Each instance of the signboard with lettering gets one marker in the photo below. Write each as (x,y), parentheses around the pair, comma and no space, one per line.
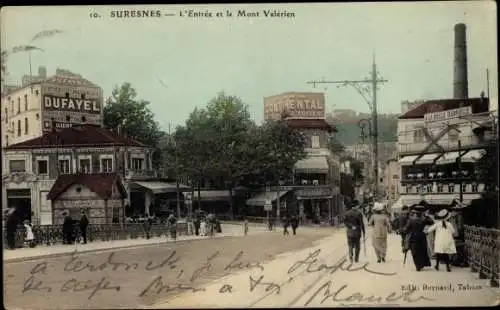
(92,106)
(296,105)
(448,114)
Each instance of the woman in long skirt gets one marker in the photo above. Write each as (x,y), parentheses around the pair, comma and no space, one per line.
(203,227)
(381,227)
(417,238)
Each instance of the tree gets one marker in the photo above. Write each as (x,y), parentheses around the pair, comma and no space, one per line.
(335,146)
(134,116)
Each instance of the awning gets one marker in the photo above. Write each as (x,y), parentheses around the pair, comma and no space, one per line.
(160,187)
(313,164)
(261,198)
(439,199)
(472,156)
(448,158)
(407,160)
(427,158)
(211,195)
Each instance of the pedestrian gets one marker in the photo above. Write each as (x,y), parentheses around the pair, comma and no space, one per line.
(286,223)
(203,227)
(67,228)
(355,228)
(381,227)
(196,225)
(29,238)
(417,241)
(172,223)
(399,224)
(148,222)
(294,222)
(270,223)
(11,226)
(245,226)
(84,223)
(444,243)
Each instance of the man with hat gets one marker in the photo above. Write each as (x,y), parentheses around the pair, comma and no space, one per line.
(444,243)
(400,223)
(355,227)
(417,241)
(84,223)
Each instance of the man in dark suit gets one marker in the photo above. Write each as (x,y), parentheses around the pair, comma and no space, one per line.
(355,227)
(400,223)
(67,228)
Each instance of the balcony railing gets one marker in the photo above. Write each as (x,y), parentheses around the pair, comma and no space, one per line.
(131,174)
(472,141)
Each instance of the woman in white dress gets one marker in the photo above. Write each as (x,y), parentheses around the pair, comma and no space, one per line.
(444,243)
(203,227)
(30,237)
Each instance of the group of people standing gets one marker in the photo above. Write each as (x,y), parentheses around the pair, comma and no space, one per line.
(11,223)
(414,226)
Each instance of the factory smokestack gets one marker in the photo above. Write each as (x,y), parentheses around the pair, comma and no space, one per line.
(460,83)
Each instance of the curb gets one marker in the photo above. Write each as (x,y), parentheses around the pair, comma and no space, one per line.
(52,255)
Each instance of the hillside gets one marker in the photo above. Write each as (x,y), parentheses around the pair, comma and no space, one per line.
(349,132)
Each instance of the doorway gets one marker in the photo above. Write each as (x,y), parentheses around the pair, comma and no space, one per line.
(20,199)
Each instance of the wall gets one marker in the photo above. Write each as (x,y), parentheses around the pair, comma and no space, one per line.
(32,113)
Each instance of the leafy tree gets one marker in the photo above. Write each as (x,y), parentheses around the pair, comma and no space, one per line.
(335,146)
(134,116)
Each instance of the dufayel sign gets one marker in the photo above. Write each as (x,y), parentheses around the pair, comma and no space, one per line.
(54,103)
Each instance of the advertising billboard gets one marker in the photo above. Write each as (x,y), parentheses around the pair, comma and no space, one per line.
(301,105)
(53,103)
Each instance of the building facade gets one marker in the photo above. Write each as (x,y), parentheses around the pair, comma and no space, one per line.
(390,182)
(34,168)
(439,142)
(64,99)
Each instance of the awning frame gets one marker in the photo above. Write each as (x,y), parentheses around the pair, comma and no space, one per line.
(261,198)
(427,158)
(407,160)
(313,161)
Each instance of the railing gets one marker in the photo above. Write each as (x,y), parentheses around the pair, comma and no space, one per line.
(53,234)
(415,147)
(483,252)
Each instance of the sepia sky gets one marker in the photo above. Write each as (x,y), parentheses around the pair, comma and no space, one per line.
(257,57)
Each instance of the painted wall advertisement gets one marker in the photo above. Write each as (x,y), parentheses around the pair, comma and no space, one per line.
(296,105)
(53,103)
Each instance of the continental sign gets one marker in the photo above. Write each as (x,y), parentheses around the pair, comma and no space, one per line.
(296,105)
(53,103)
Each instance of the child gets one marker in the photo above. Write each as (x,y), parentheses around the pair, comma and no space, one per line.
(30,237)
(444,243)
(245,226)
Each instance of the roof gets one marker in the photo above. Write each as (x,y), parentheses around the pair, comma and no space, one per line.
(479,105)
(78,136)
(311,124)
(100,183)
(65,77)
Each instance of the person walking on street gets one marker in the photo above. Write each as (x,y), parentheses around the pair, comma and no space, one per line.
(30,237)
(67,228)
(245,226)
(355,227)
(148,222)
(294,222)
(84,223)
(286,223)
(417,241)
(196,225)
(444,243)
(11,227)
(172,224)
(381,227)
(400,223)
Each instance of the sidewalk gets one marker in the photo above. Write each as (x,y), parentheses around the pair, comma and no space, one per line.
(23,254)
(377,284)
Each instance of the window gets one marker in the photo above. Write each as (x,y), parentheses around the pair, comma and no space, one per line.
(64,166)
(106,165)
(475,188)
(25,102)
(18,105)
(315,142)
(453,135)
(6,116)
(12,107)
(418,135)
(464,187)
(19,128)
(43,166)
(7,139)
(407,189)
(17,165)
(84,165)
(25,125)
(137,163)
(440,188)
(451,188)
(12,127)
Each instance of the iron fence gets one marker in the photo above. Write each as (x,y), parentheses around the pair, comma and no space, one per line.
(53,234)
(483,252)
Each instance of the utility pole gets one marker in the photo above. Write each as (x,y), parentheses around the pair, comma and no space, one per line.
(371,99)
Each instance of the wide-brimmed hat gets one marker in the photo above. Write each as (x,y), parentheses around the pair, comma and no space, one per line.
(378,206)
(442,214)
(26,221)
(417,209)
